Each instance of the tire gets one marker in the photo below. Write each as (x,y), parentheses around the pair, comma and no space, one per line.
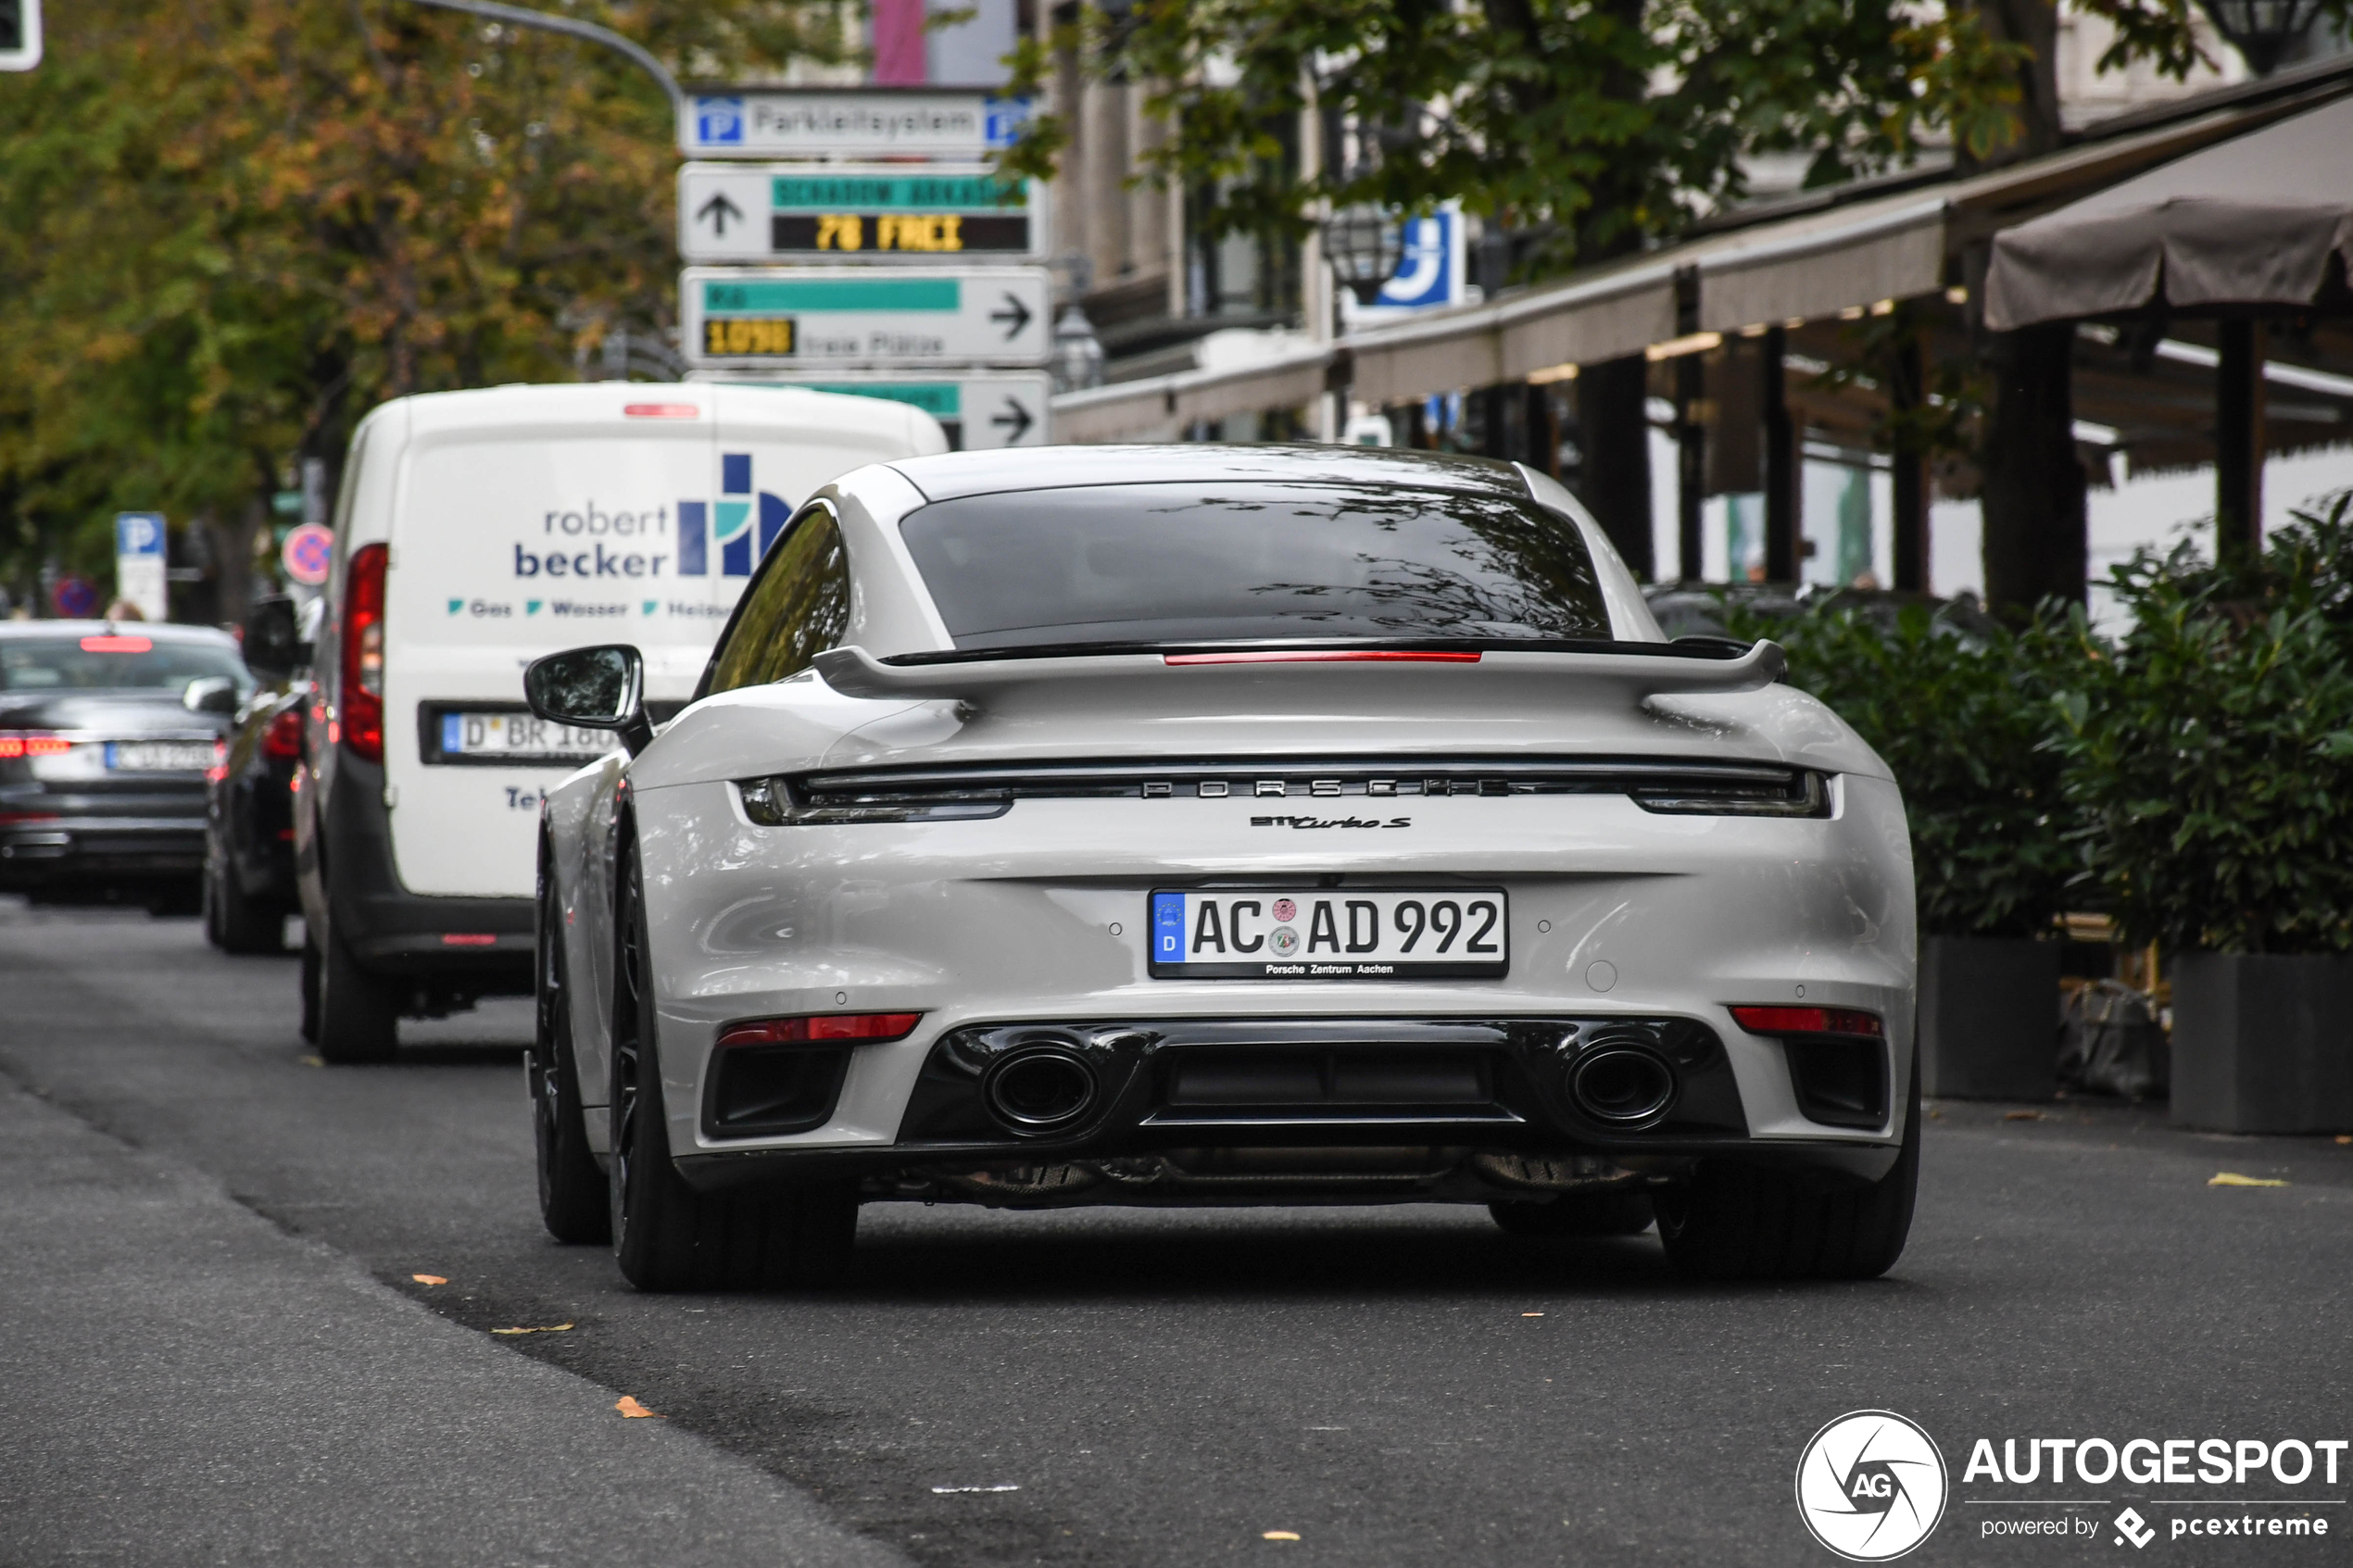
(246,924)
(665,1234)
(1577,1213)
(310,967)
(1740,1222)
(574,1200)
(211,902)
(358,1016)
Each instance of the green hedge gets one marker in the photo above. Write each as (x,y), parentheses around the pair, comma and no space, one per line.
(2209,753)
(2193,777)
(1964,716)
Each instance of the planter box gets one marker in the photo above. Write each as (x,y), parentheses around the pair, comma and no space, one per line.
(1989,1018)
(2263,1043)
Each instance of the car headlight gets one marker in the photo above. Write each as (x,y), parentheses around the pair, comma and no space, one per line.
(779,803)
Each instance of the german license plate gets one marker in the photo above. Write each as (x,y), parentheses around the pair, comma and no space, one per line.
(1330,934)
(158,756)
(520,736)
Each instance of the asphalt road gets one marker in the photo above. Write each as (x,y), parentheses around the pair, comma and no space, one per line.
(216,1350)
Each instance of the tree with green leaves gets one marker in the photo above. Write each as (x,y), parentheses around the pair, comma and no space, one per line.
(227,231)
(1586,129)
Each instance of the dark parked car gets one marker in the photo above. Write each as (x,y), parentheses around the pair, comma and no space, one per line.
(106,731)
(250,809)
(250,862)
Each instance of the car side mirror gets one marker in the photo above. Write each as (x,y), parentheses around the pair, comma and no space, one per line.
(272,648)
(211,694)
(594,688)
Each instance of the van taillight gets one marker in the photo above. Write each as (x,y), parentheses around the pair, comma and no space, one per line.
(362,697)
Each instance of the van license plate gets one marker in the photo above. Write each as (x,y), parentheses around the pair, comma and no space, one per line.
(158,756)
(520,736)
(1332,933)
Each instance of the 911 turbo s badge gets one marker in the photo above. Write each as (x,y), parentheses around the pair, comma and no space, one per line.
(1330,823)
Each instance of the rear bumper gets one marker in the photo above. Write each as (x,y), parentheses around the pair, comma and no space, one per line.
(40,853)
(480,944)
(1263,1110)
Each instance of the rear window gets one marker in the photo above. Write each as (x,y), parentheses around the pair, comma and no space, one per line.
(117,660)
(1187,563)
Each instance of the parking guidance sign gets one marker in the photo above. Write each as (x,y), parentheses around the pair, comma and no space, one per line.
(813,316)
(831,123)
(855,212)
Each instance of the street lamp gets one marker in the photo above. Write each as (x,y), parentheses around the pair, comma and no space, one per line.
(2261,31)
(1363,244)
(1077,360)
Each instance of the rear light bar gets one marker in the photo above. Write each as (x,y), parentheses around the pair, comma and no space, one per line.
(825,1026)
(468,939)
(1807,1021)
(361,698)
(661,410)
(118,644)
(24,745)
(1329,655)
(1663,785)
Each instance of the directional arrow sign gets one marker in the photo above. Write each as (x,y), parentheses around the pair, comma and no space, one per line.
(842,212)
(717,213)
(832,122)
(847,317)
(980,410)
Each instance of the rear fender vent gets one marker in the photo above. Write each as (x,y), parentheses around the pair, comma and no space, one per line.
(766,1091)
(1839,1082)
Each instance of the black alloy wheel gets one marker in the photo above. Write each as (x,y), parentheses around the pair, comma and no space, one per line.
(1734,1222)
(573,1200)
(665,1234)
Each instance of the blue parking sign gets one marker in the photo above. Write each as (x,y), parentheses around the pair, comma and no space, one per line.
(1429,270)
(138,533)
(718,121)
(1004,119)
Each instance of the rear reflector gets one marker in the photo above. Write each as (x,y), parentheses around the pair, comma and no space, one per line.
(1807,1021)
(1327,656)
(827,1026)
(661,410)
(118,644)
(467,939)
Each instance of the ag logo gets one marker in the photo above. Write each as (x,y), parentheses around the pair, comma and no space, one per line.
(1870,1486)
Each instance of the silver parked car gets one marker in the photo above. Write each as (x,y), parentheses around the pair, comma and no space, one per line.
(1208,825)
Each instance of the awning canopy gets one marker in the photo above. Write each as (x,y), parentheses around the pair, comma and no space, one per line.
(1813,256)
(2256,220)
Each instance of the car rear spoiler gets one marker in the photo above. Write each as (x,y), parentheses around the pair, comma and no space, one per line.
(1631,678)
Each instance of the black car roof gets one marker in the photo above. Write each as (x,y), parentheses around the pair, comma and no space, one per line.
(952,474)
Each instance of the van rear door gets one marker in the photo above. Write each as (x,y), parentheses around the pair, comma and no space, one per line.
(511,542)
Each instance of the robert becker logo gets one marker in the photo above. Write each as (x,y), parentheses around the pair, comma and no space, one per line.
(1870,1486)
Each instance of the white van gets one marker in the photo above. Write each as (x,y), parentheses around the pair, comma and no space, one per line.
(474,531)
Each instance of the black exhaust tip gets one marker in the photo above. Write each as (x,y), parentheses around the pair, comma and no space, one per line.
(1039,1090)
(1622,1086)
